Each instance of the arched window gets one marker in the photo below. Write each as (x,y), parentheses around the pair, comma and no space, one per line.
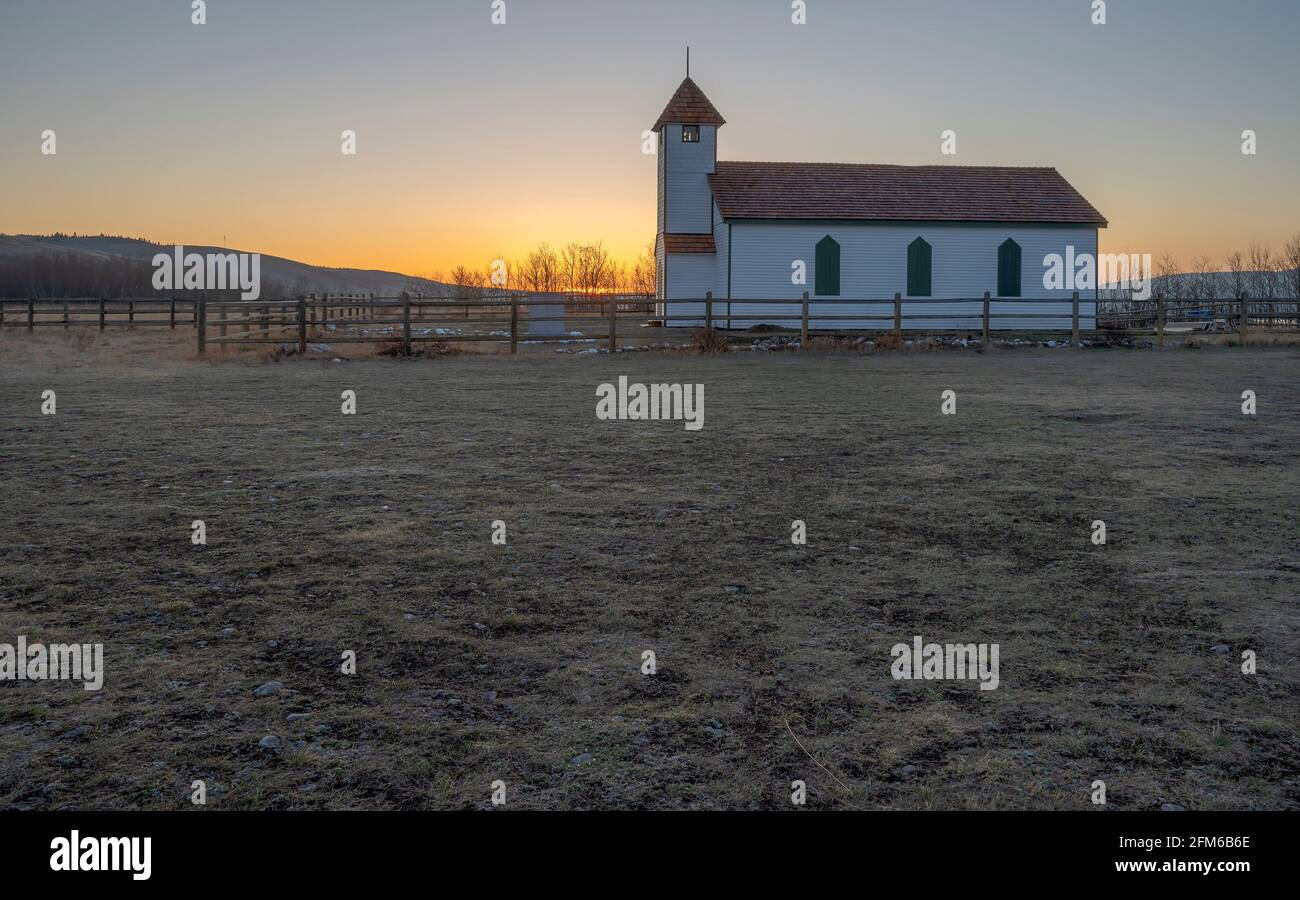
(918,268)
(828,267)
(1009,269)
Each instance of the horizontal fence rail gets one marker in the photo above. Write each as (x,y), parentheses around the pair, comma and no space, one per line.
(67,312)
(527,317)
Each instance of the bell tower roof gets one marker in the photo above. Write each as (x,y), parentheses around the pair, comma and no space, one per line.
(689,106)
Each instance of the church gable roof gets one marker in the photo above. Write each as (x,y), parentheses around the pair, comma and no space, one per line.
(689,106)
(767,190)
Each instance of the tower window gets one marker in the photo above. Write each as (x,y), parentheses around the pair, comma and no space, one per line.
(690,134)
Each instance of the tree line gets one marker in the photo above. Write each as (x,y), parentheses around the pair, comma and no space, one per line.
(575,268)
(1260,272)
(70,273)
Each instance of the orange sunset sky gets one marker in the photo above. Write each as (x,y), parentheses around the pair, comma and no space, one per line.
(478,140)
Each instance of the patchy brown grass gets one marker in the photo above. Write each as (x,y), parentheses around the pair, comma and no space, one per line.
(396,347)
(478,662)
(707,340)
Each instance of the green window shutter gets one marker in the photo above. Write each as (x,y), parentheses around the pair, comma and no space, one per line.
(1009,269)
(918,268)
(828,267)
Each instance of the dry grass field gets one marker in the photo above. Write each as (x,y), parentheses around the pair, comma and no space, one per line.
(522,662)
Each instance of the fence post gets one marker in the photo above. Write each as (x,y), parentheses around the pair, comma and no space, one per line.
(613,324)
(31,311)
(101,312)
(1074,320)
(986,318)
(708,310)
(514,323)
(65,313)
(803,322)
(302,325)
(130,314)
(898,316)
(1245,316)
(173,313)
(406,323)
(1160,318)
(201,322)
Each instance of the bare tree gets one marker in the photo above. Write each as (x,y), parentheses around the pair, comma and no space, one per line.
(1263,275)
(594,268)
(469,283)
(499,273)
(1202,281)
(641,276)
(540,270)
(570,266)
(1167,271)
(617,280)
(1291,259)
(1237,269)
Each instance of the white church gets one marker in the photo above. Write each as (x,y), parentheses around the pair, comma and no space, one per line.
(741,230)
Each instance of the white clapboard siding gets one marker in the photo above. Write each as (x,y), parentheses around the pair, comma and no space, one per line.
(721,239)
(873,264)
(661,270)
(660,182)
(689,200)
(966,316)
(691,276)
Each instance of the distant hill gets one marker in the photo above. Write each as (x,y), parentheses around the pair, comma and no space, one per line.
(101,252)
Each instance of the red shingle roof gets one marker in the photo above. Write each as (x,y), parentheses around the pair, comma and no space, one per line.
(689,106)
(689,243)
(767,190)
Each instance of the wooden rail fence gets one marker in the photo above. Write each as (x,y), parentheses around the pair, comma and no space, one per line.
(67,312)
(510,317)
